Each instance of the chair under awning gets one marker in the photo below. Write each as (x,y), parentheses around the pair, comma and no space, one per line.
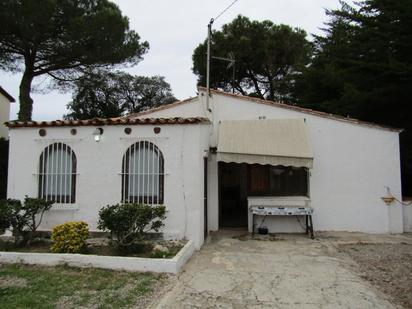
(267,141)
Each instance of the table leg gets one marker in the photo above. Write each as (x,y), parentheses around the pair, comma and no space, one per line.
(307,224)
(312,235)
(253,225)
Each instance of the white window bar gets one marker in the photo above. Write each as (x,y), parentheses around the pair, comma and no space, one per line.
(152,174)
(123,178)
(45,175)
(56,169)
(62,170)
(57,174)
(65,182)
(50,159)
(138,176)
(142,174)
(72,176)
(134,176)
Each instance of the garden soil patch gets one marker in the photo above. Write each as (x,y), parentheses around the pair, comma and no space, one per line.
(12,281)
(386,266)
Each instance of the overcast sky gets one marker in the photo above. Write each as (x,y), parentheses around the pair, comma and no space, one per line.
(173,29)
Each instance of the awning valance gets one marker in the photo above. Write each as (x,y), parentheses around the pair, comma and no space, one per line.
(267,141)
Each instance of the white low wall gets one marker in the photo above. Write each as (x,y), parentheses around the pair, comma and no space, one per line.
(173,265)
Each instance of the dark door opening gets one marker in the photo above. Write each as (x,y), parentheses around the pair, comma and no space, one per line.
(238,181)
(232,195)
(206,229)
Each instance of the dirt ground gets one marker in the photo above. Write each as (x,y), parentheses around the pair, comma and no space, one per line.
(284,271)
(388,267)
(336,270)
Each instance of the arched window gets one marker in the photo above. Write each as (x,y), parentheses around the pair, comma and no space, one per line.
(57,174)
(142,174)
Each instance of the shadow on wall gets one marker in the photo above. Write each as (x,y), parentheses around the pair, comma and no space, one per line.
(4,159)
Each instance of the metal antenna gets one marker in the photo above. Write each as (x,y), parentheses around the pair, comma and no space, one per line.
(209,35)
(232,64)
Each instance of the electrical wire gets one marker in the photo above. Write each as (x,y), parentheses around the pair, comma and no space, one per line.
(388,189)
(227,8)
(402,202)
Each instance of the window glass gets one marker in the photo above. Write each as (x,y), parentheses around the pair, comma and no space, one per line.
(268,180)
(142,180)
(57,174)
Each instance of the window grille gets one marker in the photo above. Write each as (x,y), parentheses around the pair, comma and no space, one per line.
(57,174)
(143,174)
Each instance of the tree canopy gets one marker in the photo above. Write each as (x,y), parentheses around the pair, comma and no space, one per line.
(112,94)
(62,38)
(362,67)
(267,58)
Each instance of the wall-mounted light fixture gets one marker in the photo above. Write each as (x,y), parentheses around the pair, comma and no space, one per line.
(97,134)
(388,198)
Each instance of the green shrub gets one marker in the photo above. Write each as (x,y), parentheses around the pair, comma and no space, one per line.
(130,222)
(69,237)
(35,209)
(5,216)
(24,219)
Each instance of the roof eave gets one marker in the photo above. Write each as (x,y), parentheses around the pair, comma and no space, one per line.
(7,95)
(108,122)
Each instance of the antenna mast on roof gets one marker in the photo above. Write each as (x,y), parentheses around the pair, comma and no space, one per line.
(209,35)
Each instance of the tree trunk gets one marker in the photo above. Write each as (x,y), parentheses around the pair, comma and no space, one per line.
(26,102)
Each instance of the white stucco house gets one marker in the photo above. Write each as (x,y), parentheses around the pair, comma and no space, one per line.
(5,100)
(206,164)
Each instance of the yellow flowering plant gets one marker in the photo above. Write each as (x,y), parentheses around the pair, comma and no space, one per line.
(69,237)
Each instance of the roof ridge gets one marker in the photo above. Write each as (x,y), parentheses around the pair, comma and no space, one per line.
(305,110)
(159,108)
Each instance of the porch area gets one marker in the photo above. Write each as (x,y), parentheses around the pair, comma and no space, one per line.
(260,165)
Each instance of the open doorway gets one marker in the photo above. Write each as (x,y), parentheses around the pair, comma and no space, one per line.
(232,195)
(237,182)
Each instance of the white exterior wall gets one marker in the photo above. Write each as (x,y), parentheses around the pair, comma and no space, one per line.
(407,218)
(352,166)
(4,116)
(98,181)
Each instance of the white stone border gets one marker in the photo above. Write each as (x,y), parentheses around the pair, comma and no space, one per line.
(156,265)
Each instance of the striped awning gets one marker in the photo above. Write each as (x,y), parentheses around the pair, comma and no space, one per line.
(267,141)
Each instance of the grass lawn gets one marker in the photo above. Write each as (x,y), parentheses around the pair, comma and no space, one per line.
(24,286)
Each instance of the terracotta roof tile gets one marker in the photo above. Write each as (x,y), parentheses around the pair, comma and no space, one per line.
(109,121)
